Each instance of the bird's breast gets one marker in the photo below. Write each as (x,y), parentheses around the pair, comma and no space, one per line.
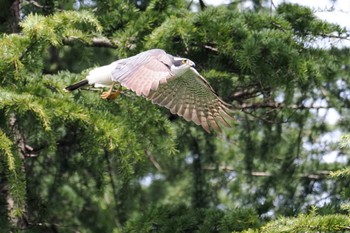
(179,70)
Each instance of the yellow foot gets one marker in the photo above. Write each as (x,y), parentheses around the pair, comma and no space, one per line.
(110,95)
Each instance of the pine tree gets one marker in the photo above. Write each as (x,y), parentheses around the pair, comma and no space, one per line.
(74,162)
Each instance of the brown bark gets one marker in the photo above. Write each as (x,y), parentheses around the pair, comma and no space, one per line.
(15,10)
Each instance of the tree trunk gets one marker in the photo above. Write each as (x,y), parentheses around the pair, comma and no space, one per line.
(199,199)
(15,10)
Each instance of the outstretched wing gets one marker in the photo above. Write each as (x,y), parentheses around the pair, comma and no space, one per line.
(144,72)
(191,97)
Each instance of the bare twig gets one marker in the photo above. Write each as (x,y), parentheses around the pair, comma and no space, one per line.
(248,92)
(153,160)
(261,118)
(211,48)
(273,4)
(346,37)
(29,47)
(189,5)
(35,3)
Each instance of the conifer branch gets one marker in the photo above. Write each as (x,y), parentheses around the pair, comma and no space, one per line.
(189,5)
(277,105)
(346,37)
(211,48)
(28,49)
(250,91)
(95,42)
(202,4)
(261,118)
(35,3)
(318,175)
(153,160)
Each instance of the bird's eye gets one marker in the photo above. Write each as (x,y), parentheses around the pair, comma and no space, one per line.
(184,61)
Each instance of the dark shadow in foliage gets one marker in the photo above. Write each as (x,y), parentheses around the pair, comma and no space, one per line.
(181,218)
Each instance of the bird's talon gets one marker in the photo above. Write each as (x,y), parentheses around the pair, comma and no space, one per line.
(110,95)
(104,95)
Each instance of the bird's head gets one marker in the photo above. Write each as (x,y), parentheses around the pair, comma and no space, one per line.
(181,65)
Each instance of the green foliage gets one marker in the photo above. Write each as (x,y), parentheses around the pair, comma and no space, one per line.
(305,23)
(14,175)
(60,25)
(306,223)
(345,141)
(184,219)
(342,172)
(5,146)
(20,53)
(75,162)
(22,103)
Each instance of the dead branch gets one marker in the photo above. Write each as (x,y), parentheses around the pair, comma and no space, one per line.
(153,160)
(35,3)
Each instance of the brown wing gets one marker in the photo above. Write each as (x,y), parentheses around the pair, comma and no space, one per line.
(191,97)
(144,72)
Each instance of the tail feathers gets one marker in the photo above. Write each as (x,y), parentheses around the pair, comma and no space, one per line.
(77,85)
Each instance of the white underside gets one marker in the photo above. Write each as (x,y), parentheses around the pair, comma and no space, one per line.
(180,70)
(101,76)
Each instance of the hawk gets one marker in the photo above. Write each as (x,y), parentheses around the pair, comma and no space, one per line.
(166,80)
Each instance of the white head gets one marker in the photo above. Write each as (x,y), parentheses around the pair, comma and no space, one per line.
(181,65)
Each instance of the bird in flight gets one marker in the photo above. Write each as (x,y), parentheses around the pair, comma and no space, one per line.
(166,80)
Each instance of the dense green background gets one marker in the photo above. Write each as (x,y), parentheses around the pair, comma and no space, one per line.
(72,162)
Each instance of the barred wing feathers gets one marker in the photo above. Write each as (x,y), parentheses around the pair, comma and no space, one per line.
(191,97)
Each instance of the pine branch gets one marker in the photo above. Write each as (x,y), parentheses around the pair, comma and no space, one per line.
(261,118)
(248,92)
(346,37)
(35,3)
(213,49)
(95,42)
(189,5)
(318,175)
(70,41)
(277,105)
(202,5)
(153,160)
(28,49)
